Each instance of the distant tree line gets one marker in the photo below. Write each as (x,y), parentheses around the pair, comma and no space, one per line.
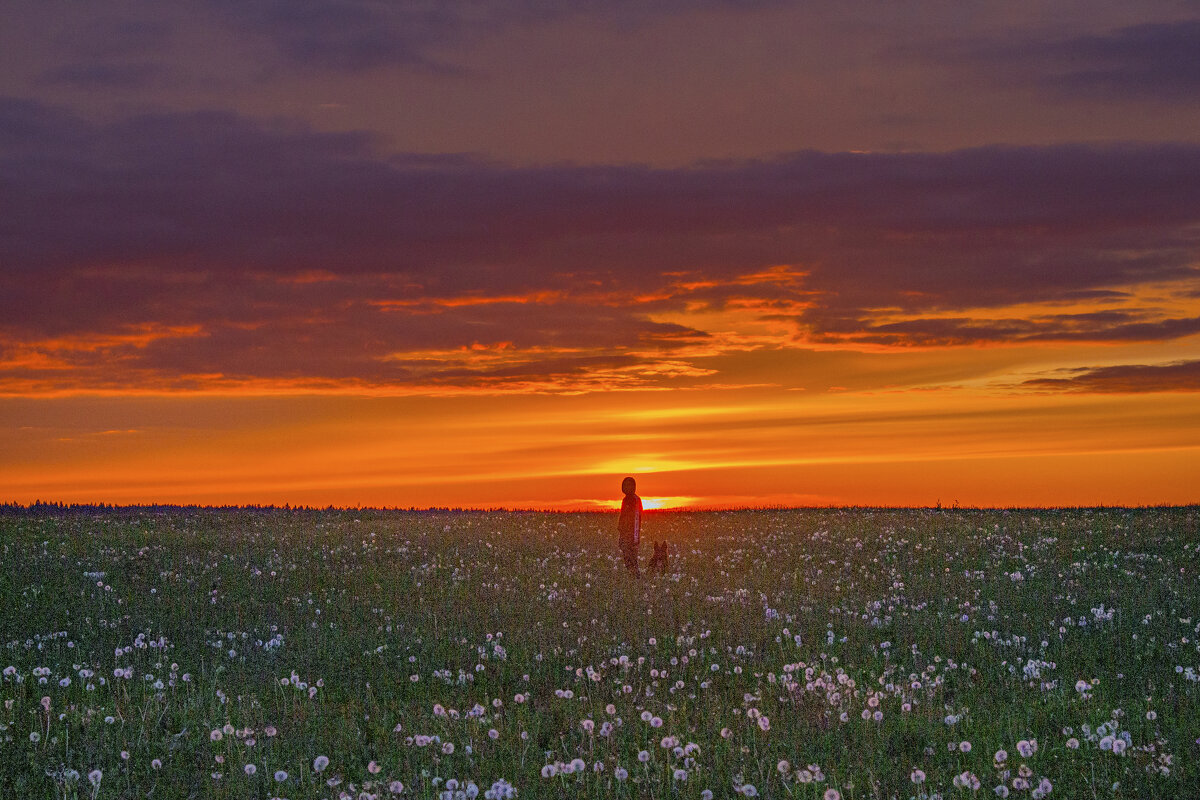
(42,508)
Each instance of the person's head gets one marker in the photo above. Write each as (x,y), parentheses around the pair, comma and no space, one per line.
(629,486)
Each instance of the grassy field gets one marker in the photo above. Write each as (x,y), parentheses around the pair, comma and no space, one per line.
(809,654)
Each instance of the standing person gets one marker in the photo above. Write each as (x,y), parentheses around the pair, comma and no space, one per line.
(629,527)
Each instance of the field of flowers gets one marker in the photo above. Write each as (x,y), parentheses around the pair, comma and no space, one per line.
(809,654)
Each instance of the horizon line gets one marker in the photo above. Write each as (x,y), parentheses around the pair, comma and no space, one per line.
(42,505)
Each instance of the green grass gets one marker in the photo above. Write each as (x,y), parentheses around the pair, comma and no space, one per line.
(403,643)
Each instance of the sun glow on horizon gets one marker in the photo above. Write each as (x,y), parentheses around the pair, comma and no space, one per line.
(653,503)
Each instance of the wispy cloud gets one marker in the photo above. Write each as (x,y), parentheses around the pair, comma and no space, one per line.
(1102,327)
(1177,376)
(1158,60)
(360,34)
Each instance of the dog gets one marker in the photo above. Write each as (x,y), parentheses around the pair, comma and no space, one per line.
(658,562)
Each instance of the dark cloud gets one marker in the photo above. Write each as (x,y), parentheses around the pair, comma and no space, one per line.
(361,34)
(118,48)
(354,340)
(241,329)
(1109,327)
(352,34)
(260,235)
(217,191)
(145,29)
(1159,60)
(101,76)
(1178,376)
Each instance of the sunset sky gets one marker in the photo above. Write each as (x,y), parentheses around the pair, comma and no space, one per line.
(466,253)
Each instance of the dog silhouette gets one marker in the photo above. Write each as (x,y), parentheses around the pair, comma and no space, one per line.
(658,562)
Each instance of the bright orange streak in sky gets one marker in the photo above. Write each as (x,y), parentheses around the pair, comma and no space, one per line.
(717,448)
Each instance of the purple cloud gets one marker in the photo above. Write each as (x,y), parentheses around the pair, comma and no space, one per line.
(361,34)
(216,191)
(1111,326)
(1158,60)
(129,75)
(258,235)
(1179,376)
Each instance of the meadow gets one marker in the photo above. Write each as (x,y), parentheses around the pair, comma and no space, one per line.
(824,654)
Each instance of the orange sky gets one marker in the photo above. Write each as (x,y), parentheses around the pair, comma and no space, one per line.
(975,445)
(506,254)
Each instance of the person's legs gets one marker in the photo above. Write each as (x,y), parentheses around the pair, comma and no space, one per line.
(631,560)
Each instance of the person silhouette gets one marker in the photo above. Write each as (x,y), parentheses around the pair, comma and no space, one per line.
(629,526)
